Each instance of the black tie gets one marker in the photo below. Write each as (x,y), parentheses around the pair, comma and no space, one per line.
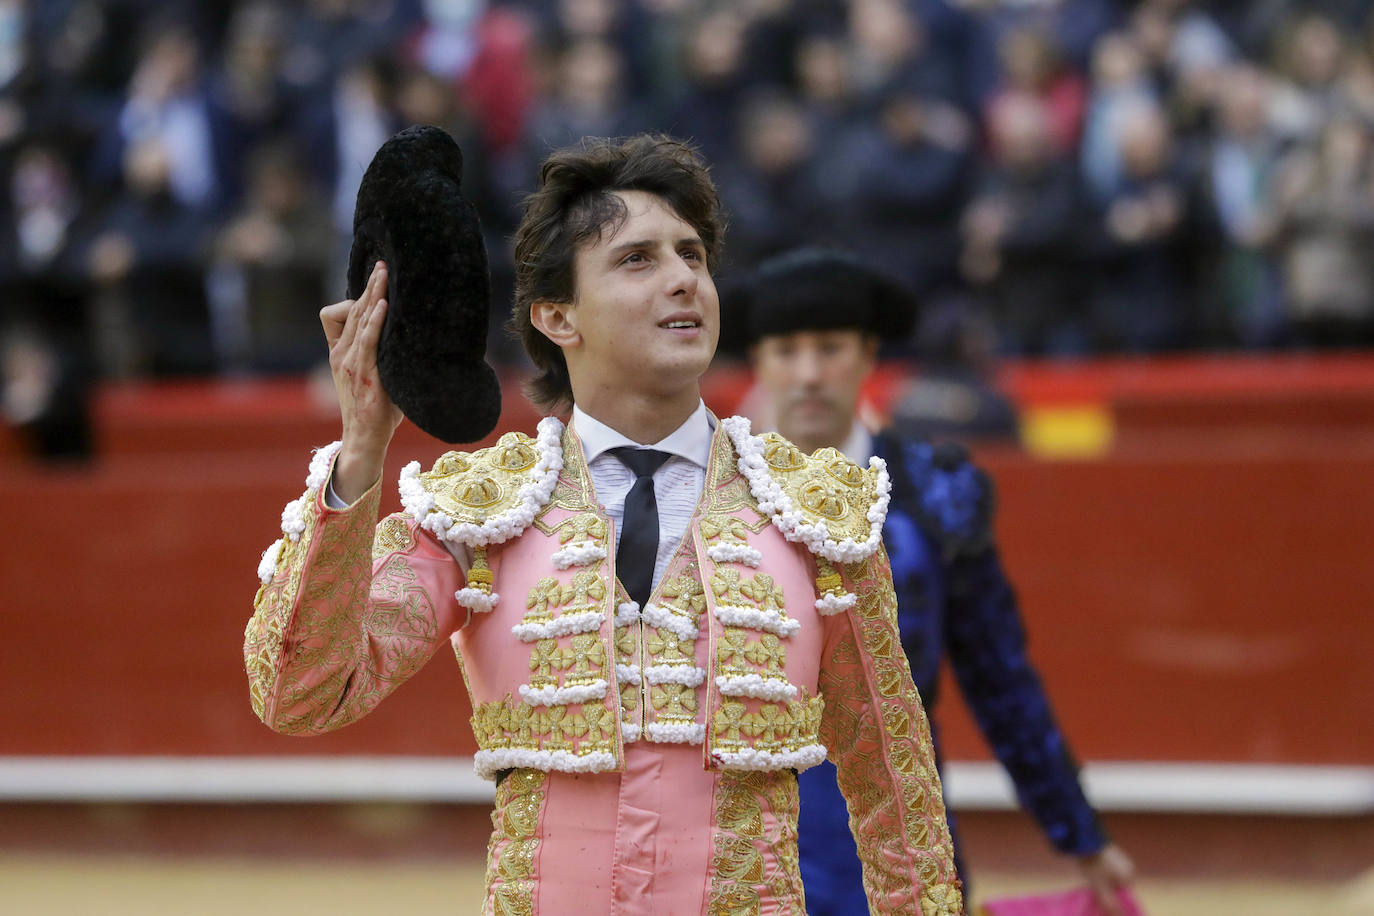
(638,551)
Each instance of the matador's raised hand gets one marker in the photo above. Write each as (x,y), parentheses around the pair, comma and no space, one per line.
(352,328)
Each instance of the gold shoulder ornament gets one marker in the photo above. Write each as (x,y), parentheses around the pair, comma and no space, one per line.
(488,496)
(822,500)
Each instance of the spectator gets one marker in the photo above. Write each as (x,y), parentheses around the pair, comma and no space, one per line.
(589,100)
(345,131)
(166,106)
(892,46)
(46,215)
(1311,57)
(1019,234)
(146,264)
(1325,201)
(900,178)
(772,189)
(248,100)
(328,37)
(1187,52)
(1032,68)
(272,258)
(1120,84)
(1240,162)
(1140,300)
(424,98)
(714,85)
(483,51)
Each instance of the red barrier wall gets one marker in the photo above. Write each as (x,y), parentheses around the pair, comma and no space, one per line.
(1202,592)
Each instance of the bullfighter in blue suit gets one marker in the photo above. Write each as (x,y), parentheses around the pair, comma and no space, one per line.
(811,321)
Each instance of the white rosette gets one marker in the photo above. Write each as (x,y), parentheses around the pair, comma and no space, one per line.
(293,515)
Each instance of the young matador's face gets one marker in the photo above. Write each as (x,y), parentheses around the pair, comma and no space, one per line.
(645,309)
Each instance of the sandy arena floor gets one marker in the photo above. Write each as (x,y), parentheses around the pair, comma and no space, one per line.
(113,886)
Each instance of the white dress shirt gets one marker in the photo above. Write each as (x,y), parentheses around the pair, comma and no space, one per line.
(677,483)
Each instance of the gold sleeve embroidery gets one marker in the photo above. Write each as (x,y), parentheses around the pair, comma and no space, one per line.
(879,738)
(328,638)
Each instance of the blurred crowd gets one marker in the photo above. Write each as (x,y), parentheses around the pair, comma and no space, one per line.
(1076,176)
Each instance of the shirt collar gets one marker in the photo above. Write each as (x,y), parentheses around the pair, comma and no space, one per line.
(691,440)
(858,448)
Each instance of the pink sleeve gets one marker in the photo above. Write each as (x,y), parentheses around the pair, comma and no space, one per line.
(876,730)
(347,615)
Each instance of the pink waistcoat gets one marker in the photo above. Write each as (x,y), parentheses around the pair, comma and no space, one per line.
(564,670)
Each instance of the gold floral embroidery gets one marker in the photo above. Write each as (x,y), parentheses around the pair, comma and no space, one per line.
(514,843)
(725,582)
(393,536)
(321,675)
(674,702)
(544,592)
(580,728)
(880,741)
(584,593)
(684,593)
(756,823)
(584,527)
(584,659)
(727,529)
(544,658)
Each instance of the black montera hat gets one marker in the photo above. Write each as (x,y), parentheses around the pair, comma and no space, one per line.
(411,214)
(814,289)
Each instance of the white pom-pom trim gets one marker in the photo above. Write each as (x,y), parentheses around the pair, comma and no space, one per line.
(489,763)
(293,517)
(751,759)
(532,496)
(476,600)
(686,675)
(293,514)
(778,506)
(677,732)
(562,696)
(627,614)
(583,553)
(836,604)
(320,465)
(757,686)
(566,625)
(627,674)
(732,615)
(734,553)
(664,619)
(267,566)
(629,731)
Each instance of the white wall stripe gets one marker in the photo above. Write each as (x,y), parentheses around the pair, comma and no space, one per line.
(1163,787)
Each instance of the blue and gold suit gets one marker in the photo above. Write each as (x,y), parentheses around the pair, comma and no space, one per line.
(953,600)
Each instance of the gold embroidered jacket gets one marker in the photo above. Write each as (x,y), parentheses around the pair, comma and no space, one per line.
(769,643)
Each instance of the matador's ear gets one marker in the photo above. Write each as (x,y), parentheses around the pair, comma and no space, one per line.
(411,214)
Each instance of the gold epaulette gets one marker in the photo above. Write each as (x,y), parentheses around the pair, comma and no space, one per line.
(490,495)
(825,487)
(474,487)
